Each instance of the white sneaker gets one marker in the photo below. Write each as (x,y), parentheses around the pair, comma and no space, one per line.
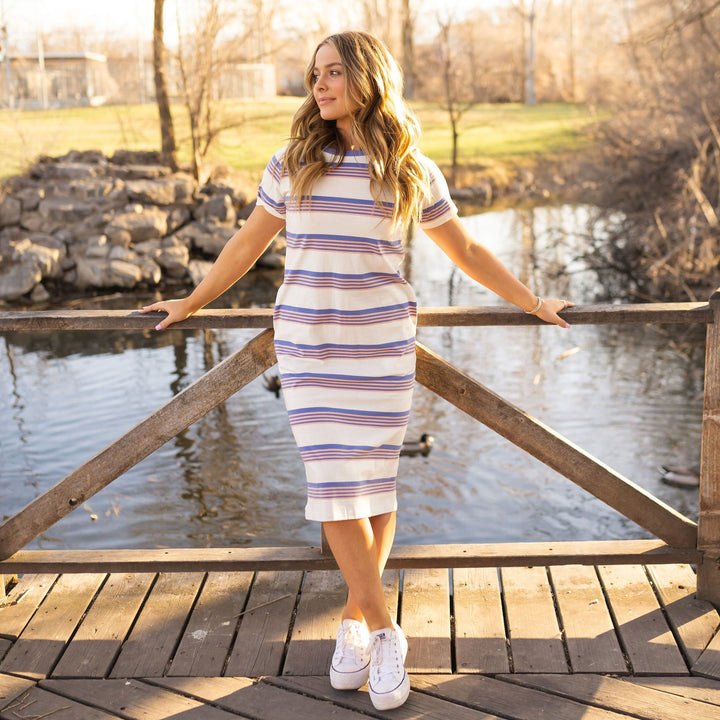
(351,660)
(389,683)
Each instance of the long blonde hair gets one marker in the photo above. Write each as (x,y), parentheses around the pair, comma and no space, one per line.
(381,122)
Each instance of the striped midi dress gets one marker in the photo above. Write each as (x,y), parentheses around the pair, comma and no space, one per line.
(344,322)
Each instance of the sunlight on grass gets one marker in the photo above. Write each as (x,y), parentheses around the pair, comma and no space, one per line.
(510,133)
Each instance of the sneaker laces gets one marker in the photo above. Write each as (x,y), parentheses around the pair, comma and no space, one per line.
(386,658)
(351,647)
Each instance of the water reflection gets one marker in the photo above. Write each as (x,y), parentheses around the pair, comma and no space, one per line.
(631,396)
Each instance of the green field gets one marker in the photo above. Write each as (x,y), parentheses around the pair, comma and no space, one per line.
(490,134)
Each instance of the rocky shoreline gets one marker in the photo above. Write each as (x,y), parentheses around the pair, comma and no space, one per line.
(84,223)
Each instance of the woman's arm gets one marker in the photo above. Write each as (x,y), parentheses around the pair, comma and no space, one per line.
(484,266)
(237,257)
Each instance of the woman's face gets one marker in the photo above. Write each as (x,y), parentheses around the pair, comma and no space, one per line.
(329,87)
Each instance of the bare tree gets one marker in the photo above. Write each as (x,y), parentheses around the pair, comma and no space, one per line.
(204,55)
(167,129)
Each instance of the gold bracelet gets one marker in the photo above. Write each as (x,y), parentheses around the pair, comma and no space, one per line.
(536,308)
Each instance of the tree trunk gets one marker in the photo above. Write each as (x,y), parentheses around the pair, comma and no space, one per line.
(530,98)
(167,130)
(408,51)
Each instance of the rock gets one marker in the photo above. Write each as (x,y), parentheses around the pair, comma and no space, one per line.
(90,189)
(135,157)
(151,272)
(177,217)
(18,279)
(164,191)
(139,172)
(124,274)
(198,269)
(209,240)
(96,222)
(174,260)
(30,198)
(104,273)
(10,210)
(39,294)
(97,247)
(143,225)
(47,259)
(216,210)
(64,211)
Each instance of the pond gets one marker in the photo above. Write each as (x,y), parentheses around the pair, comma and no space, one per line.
(631,396)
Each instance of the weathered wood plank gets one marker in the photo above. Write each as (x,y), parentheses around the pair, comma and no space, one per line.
(535,638)
(589,632)
(708,664)
(709,511)
(611,552)
(391,590)
(95,645)
(211,628)
(259,700)
(425,620)
(37,703)
(184,409)
(696,688)
(529,434)
(618,695)
(644,633)
(318,615)
(43,640)
(694,621)
(21,603)
(136,699)
(599,314)
(158,627)
(480,642)
(260,642)
(508,701)
(418,705)
(12,687)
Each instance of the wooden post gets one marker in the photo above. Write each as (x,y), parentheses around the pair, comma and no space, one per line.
(324,544)
(708,580)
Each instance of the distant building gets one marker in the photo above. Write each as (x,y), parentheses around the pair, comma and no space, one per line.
(246,80)
(57,79)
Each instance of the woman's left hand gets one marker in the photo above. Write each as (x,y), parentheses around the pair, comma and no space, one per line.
(550,308)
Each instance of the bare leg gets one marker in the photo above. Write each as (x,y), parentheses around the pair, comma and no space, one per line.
(383,527)
(361,548)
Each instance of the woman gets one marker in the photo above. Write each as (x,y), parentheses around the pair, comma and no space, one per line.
(347,189)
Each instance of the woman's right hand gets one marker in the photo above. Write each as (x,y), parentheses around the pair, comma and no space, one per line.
(176,310)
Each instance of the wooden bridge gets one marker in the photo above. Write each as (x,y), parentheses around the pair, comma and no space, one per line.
(611,629)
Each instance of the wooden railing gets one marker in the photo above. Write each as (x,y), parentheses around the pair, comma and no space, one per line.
(680,539)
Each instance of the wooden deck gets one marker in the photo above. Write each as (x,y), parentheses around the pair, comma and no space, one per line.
(562,642)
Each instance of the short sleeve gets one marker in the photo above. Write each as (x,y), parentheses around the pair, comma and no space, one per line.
(439,207)
(271,194)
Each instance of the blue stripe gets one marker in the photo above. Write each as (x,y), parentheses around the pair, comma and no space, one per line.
(342,206)
(435,211)
(343,243)
(317,453)
(331,316)
(333,350)
(341,281)
(389,383)
(343,416)
(351,489)
(264,197)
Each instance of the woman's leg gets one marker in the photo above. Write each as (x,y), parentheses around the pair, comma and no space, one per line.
(383,527)
(361,548)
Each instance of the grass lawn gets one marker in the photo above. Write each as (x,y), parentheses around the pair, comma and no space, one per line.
(491,135)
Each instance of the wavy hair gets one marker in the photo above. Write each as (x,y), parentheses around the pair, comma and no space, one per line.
(381,121)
